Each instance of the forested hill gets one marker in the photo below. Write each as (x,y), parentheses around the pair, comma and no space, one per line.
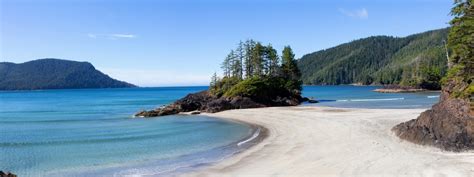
(54,74)
(417,60)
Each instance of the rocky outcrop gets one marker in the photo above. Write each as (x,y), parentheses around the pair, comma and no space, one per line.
(448,125)
(399,89)
(205,102)
(7,174)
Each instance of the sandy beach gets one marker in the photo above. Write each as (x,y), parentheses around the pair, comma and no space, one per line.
(322,141)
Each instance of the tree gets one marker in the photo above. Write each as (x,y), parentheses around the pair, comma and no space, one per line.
(290,69)
(272,61)
(226,65)
(214,81)
(461,42)
(257,59)
(241,56)
(249,46)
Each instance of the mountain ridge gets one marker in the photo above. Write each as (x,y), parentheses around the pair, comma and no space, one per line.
(416,60)
(52,73)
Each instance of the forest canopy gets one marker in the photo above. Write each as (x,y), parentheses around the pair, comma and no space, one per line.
(257,71)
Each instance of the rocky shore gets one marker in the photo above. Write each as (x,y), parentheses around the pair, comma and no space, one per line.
(205,102)
(399,89)
(7,174)
(448,125)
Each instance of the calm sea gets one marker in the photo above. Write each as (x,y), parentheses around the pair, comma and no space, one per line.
(91,132)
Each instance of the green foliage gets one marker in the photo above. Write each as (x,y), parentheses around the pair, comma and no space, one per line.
(431,77)
(290,70)
(378,60)
(219,87)
(54,74)
(264,76)
(461,42)
(261,89)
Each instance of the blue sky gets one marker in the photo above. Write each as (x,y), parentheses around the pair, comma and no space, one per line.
(177,42)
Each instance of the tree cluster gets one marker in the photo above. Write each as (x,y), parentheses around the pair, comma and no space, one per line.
(256,62)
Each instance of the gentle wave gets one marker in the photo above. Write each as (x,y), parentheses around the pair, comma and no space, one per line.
(436,96)
(380,99)
(97,140)
(255,135)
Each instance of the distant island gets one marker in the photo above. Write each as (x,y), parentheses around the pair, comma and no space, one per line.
(416,62)
(54,74)
(253,76)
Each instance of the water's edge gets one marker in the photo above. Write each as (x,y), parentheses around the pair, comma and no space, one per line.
(259,133)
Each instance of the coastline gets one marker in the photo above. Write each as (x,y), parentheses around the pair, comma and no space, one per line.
(398,90)
(326,141)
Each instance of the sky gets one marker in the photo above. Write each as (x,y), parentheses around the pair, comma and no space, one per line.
(182,43)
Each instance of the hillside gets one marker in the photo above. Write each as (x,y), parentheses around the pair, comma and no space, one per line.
(54,74)
(416,60)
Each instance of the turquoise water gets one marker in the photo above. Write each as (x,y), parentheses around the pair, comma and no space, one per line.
(78,132)
(364,97)
(91,132)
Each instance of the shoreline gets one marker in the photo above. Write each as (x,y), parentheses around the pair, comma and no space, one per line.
(328,141)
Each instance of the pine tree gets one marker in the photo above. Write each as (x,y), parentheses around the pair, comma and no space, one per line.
(226,66)
(240,56)
(257,59)
(272,61)
(290,69)
(461,42)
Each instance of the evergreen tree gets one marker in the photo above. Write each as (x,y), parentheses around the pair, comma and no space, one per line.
(241,56)
(249,46)
(257,59)
(290,69)
(272,61)
(226,66)
(461,42)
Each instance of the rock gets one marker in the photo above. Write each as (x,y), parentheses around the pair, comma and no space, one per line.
(448,125)
(305,99)
(205,102)
(190,102)
(313,101)
(195,112)
(244,103)
(218,105)
(7,174)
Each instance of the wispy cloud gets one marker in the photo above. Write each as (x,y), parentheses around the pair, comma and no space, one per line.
(112,36)
(357,13)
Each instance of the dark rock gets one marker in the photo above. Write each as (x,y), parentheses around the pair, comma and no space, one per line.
(7,174)
(244,103)
(195,112)
(305,99)
(217,105)
(313,101)
(205,102)
(448,125)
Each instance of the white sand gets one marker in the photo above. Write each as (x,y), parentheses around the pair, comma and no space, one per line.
(316,141)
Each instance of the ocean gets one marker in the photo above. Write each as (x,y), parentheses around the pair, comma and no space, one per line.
(91,132)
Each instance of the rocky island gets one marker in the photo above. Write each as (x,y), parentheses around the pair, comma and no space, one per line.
(254,77)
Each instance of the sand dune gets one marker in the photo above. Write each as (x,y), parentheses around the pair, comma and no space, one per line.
(318,141)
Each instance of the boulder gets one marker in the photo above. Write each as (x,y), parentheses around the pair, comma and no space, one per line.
(448,125)
(7,174)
